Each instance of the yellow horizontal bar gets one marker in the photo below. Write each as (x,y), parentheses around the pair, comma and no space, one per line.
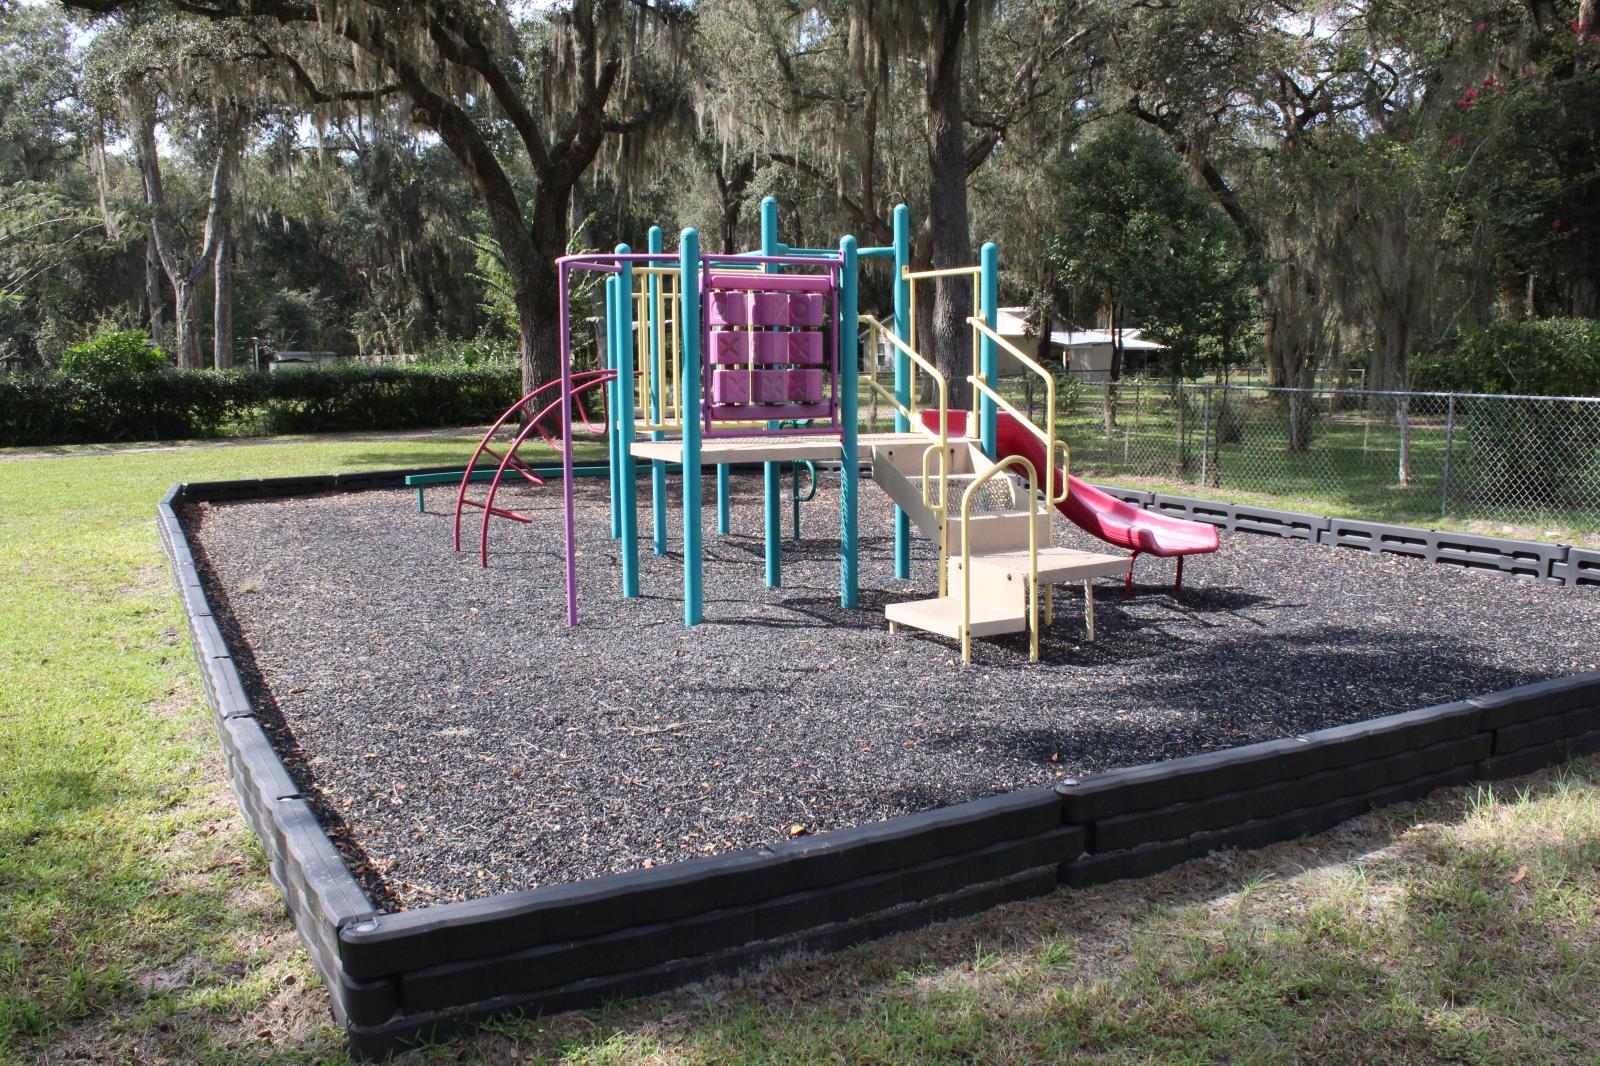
(946,272)
(1006,405)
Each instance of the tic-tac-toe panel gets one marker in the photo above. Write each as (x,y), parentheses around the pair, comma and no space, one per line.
(767,345)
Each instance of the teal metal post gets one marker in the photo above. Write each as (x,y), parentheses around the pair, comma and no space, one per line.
(988,353)
(772,473)
(850,468)
(658,468)
(724,519)
(628,494)
(613,405)
(689,403)
(902,371)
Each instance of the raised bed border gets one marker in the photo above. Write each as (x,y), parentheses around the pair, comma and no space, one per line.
(397,978)
(1546,563)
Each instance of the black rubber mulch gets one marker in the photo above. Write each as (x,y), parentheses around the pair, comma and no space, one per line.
(459,740)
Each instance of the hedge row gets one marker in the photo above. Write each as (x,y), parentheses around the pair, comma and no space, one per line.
(48,409)
(1541,357)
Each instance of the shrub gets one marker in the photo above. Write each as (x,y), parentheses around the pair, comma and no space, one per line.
(485,348)
(42,409)
(342,399)
(169,404)
(113,353)
(1544,357)
(1541,453)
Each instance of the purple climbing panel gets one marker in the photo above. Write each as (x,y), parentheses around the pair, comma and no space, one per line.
(768,346)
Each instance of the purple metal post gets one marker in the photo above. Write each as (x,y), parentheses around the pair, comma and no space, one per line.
(566,449)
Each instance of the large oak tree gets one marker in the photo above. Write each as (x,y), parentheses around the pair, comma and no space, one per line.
(527,106)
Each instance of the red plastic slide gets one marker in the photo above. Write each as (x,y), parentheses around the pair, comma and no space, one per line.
(1097,513)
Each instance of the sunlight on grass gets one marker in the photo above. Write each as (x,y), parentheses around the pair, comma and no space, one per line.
(140,924)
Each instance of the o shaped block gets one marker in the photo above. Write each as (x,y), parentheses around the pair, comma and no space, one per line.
(736,308)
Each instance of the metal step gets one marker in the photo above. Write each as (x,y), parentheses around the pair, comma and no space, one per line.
(1001,494)
(1057,566)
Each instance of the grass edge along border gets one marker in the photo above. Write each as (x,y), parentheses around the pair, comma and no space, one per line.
(394,979)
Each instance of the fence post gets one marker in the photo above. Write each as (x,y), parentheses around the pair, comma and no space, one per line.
(1205,433)
(1449,449)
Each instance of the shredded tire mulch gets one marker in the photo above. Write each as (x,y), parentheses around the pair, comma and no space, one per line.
(459,741)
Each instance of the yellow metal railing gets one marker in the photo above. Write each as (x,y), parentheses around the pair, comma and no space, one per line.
(911,412)
(1047,436)
(938,502)
(663,372)
(1033,555)
(914,276)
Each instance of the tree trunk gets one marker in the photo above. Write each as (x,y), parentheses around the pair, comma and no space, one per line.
(222,300)
(152,292)
(953,299)
(184,277)
(730,201)
(1114,372)
(580,208)
(186,323)
(530,258)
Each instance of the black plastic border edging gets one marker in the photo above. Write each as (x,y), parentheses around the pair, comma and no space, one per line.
(395,978)
(1551,564)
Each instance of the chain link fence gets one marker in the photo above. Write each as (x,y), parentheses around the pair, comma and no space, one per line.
(1522,461)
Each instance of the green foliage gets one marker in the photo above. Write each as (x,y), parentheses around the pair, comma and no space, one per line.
(332,399)
(1544,357)
(40,409)
(1135,237)
(114,353)
(1540,451)
(49,409)
(485,349)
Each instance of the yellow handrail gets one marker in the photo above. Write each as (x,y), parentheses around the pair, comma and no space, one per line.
(914,276)
(909,413)
(663,372)
(1033,555)
(940,440)
(1047,436)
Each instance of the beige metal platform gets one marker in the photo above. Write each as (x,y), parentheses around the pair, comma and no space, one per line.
(1057,566)
(717,450)
(942,616)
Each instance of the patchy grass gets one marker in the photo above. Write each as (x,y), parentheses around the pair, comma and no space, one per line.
(139,925)
(1459,929)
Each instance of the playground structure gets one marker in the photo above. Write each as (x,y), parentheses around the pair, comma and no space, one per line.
(752,357)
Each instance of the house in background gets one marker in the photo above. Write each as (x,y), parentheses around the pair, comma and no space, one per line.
(1084,353)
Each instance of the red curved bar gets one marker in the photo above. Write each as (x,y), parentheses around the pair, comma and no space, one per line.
(589,379)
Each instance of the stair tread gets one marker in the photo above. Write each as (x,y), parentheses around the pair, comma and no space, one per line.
(942,615)
(1057,564)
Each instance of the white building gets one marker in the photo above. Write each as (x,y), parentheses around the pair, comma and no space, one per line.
(1083,353)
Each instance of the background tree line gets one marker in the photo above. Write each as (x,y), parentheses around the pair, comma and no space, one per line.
(1300,187)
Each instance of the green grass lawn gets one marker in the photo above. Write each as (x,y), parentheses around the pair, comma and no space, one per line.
(1508,473)
(137,922)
